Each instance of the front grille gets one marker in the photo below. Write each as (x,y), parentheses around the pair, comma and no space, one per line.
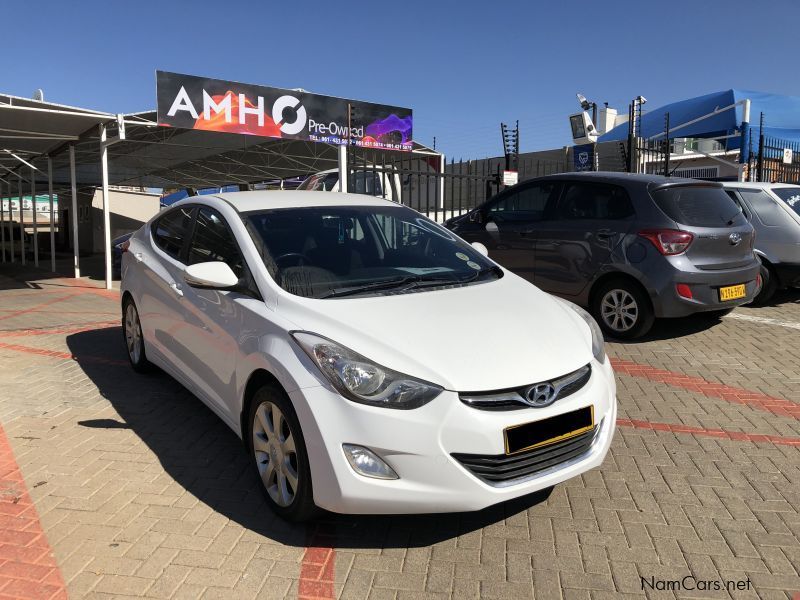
(502,469)
(517,398)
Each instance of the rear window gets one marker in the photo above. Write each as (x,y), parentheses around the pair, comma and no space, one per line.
(698,206)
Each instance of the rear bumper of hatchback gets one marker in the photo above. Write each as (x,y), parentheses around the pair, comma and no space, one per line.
(703,285)
(420,445)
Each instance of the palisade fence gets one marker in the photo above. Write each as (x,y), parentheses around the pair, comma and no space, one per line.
(420,182)
(774,160)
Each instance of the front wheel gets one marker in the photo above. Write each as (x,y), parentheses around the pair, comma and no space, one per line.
(622,310)
(279,454)
(134,340)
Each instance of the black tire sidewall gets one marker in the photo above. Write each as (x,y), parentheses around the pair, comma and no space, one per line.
(142,365)
(643,323)
(302,507)
(769,285)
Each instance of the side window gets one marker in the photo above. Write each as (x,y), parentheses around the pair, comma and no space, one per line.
(213,241)
(595,201)
(738,203)
(170,230)
(526,204)
(769,213)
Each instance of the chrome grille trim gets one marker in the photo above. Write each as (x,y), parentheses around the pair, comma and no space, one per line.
(516,398)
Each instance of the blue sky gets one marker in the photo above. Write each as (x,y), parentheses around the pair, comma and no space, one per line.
(462,66)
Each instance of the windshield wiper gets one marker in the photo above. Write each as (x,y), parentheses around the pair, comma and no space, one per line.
(482,272)
(383,284)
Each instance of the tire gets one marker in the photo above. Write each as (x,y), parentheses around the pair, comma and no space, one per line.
(288,490)
(628,324)
(132,334)
(769,285)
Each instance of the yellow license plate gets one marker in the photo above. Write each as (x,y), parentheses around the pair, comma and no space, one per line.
(732,292)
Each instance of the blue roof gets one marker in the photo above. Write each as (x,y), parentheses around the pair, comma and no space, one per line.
(781,117)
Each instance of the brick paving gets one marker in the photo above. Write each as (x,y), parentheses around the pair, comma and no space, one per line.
(142,492)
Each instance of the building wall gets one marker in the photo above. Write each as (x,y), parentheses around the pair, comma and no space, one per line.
(129,211)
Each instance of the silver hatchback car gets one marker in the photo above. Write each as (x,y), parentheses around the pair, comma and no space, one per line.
(630,248)
(774,211)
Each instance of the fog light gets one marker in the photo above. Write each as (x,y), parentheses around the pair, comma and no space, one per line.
(365,462)
(684,291)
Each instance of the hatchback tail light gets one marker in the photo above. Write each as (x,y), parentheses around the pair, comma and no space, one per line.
(124,246)
(668,241)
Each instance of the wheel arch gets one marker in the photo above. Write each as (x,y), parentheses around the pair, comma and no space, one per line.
(256,380)
(617,276)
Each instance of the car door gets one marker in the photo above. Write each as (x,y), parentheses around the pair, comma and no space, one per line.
(214,318)
(508,224)
(162,284)
(589,223)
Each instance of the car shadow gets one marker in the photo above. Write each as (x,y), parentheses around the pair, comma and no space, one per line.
(208,460)
(781,297)
(668,329)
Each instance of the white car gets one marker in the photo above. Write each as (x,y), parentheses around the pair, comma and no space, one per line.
(371,181)
(371,360)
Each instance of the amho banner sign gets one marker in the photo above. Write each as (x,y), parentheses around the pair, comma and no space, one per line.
(215,105)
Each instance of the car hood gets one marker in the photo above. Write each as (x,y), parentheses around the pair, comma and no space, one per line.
(486,336)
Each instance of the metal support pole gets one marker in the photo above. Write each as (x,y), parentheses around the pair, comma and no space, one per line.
(21,221)
(2,223)
(106,207)
(74,219)
(666,145)
(760,167)
(343,169)
(35,219)
(52,217)
(744,149)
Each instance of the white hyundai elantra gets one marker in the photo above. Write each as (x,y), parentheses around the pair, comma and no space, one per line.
(371,360)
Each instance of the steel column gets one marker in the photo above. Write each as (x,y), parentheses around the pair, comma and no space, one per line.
(76,265)
(2,223)
(106,207)
(35,219)
(343,168)
(21,220)
(52,219)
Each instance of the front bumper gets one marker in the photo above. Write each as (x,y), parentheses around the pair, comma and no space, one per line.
(418,444)
(704,284)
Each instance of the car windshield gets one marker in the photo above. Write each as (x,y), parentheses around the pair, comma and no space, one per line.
(335,251)
(790,195)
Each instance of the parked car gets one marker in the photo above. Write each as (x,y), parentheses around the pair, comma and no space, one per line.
(630,248)
(371,181)
(117,248)
(774,211)
(372,361)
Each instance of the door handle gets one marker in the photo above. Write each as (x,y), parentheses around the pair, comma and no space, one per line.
(176,287)
(138,256)
(604,233)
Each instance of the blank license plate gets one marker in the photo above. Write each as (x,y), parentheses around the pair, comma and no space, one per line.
(732,292)
(547,431)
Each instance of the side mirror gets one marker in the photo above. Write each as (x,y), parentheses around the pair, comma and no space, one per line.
(210,276)
(477,216)
(480,248)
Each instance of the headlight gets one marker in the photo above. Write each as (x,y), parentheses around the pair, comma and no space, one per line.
(598,343)
(361,380)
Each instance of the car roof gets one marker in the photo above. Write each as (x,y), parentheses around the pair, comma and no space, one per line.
(267,199)
(637,178)
(758,184)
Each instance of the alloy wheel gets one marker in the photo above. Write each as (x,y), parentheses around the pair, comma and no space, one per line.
(275,453)
(619,310)
(133,333)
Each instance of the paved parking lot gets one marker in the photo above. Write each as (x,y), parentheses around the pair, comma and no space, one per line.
(118,485)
